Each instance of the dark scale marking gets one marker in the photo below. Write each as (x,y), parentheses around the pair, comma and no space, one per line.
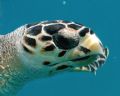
(46,62)
(85,50)
(49,48)
(106,51)
(52,29)
(74,26)
(45,38)
(27,50)
(79,59)
(61,54)
(62,67)
(102,56)
(92,69)
(83,32)
(101,62)
(91,32)
(30,41)
(49,22)
(96,64)
(32,24)
(35,30)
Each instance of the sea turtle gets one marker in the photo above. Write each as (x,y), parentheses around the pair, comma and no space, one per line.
(44,49)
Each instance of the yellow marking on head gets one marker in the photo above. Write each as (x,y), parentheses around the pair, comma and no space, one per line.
(92,43)
(77,52)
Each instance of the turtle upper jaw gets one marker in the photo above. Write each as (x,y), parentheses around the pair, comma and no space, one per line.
(91,44)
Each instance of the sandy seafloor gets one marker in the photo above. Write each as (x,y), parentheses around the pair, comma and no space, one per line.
(103,16)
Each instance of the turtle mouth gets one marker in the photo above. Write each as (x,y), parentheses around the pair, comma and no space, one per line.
(69,65)
(83,63)
(72,60)
(81,58)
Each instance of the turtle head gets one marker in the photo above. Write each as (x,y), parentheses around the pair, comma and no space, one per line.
(53,47)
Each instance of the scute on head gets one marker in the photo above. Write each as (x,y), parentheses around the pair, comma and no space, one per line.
(52,29)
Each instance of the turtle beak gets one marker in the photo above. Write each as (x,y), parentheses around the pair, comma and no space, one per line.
(93,44)
(90,45)
(90,50)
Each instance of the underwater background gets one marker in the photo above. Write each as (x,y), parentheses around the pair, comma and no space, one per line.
(103,16)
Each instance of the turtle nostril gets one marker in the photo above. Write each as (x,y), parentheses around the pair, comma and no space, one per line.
(64,42)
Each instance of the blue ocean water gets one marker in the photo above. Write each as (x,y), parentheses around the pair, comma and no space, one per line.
(103,16)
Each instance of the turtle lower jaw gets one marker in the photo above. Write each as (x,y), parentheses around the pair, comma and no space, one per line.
(73,60)
(78,64)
